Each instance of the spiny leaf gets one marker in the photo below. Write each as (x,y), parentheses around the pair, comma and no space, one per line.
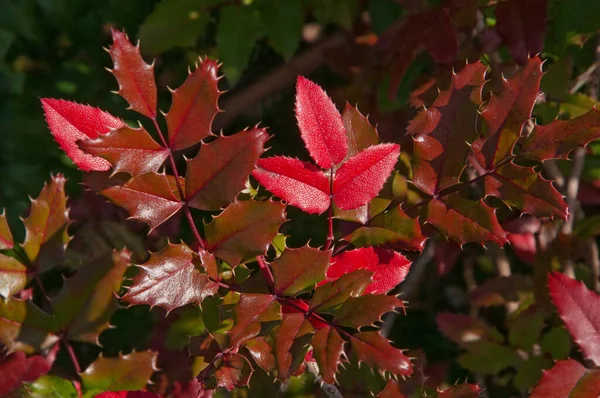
(361,311)
(194,107)
(149,197)
(70,122)
(461,391)
(332,294)
(391,390)
(361,178)
(135,77)
(244,230)
(389,268)
(298,269)
(13,276)
(464,329)
(250,311)
(376,351)
(328,348)
(128,150)
(233,371)
(125,372)
(360,134)
(25,327)
(568,379)
(577,306)
(170,279)
(292,326)
(320,123)
(261,352)
(6,239)
(18,368)
(219,171)
(299,183)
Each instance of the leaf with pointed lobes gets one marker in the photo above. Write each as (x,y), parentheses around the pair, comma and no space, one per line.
(358,312)
(577,307)
(25,327)
(328,348)
(299,269)
(17,368)
(128,149)
(523,188)
(6,239)
(13,276)
(299,183)
(194,107)
(128,394)
(171,279)
(506,114)
(135,77)
(70,122)
(125,372)
(46,225)
(250,311)
(219,172)
(442,132)
(361,178)
(389,268)
(331,295)
(233,371)
(87,300)
(320,123)
(557,139)
(461,391)
(568,379)
(149,197)
(391,390)
(360,134)
(464,220)
(293,326)
(464,329)
(261,352)
(244,230)
(393,228)
(376,351)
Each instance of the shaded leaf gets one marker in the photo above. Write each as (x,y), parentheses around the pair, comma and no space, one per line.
(360,134)
(332,294)
(328,348)
(25,327)
(530,371)
(233,371)
(464,329)
(391,390)
(50,387)
(461,391)
(361,311)
(13,276)
(18,368)
(6,239)
(298,269)
(501,290)
(375,350)
(292,326)
(525,329)
(488,357)
(568,379)
(125,372)
(250,311)
(283,24)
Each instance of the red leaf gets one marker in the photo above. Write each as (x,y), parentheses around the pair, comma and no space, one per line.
(461,391)
(299,183)
(219,172)
(70,122)
(250,311)
(320,124)
(577,306)
(233,371)
(292,326)
(389,267)
(170,279)
(360,133)
(361,178)
(129,150)
(261,353)
(568,379)
(524,246)
(17,368)
(194,106)
(332,294)
(391,390)
(149,197)
(135,77)
(362,311)
(128,394)
(328,348)
(298,269)
(6,239)
(376,351)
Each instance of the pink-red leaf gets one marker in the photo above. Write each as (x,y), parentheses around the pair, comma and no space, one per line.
(135,77)
(194,106)
(320,123)
(299,183)
(218,173)
(361,178)
(578,308)
(70,122)
(376,351)
(361,311)
(170,279)
(389,268)
(6,239)
(128,150)
(250,311)
(18,368)
(328,348)
(298,269)
(568,379)
(128,394)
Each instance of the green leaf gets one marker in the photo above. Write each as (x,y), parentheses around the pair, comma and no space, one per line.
(283,24)
(298,269)
(341,12)
(333,294)
(384,13)
(530,371)
(365,310)
(25,327)
(126,372)
(488,357)
(49,387)
(13,19)
(13,276)
(525,329)
(557,343)
(569,19)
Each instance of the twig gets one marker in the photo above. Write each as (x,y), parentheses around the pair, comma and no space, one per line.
(330,236)
(504,270)
(266,270)
(572,188)
(330,390)
(584,78)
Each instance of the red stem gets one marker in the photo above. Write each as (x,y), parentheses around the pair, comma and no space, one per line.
(330,214)
(190,220)
(266,270)
(71,354)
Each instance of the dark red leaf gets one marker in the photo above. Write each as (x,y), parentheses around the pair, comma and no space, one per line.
(361,178)
(524,246)
(6,239)
(389,268)
(299,183)
(391,390)
(17,368)
(70,122)
(568,379)
(320,124)
(292,326)
(218,173)
(577,306)
(128,394)
(360,133)
(365,310)
(250,311)
(194,106)
(233,371)
(261,353)
(328,348)
(376,351)
(332,294)
(135,77)
(461,391)
(464,329)
(170,279)
(298,269)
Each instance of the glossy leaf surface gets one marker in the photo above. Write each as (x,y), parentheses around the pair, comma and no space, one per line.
(332,294)
(374,350)
(365,310)
(298,269)
(328,348)
(13,276)
(126,372)
(360,134)
(6,238)
(249,313)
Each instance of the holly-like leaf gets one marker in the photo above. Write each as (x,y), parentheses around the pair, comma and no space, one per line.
(299,183)
(194,107)
(320,123)
(357,312)
(332,294)
(568,379)
(13,276)
(126,372)
(149,197)
(328,348)
(464,329)
(170,279)
(576,305)
(250,311)
(465,390)
(128,150)
(292,327)
(376,351)
(135,77)
(298,269)
(360,134)
(261,352)
(244,230)
(6,239)
(233,371)
(389,268)
(70,122)
(391,390)
(361,178)
(218,173)
(25,327)
(18,368)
